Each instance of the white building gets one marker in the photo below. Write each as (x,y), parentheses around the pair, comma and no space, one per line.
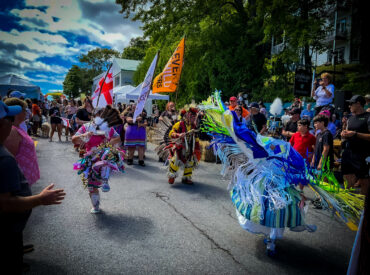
(123,72)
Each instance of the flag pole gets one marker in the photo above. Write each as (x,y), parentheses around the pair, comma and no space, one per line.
(101,86)
(177,87)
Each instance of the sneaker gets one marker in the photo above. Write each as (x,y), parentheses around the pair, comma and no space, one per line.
(171,180)
(105,187)
(141,163)
(130,161)
(187,181)
(95,210)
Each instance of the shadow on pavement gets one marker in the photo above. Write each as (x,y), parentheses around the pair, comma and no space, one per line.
(43,267)
(305,259)
(123,228)
(206,190)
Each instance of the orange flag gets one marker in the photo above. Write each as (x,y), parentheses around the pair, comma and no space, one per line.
(167,81)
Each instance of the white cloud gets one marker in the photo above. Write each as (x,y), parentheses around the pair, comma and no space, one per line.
(27,55)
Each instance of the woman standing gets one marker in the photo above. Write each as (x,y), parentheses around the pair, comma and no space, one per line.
(135,137)
(55,121)
(323,92)
(21,145)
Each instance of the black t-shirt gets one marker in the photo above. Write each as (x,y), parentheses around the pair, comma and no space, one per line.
(324,138)
(259,120)
(361,124)
(54,111)
(12,181)
(83,114)
(291,126)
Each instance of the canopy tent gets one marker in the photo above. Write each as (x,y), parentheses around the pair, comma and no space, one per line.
(133,95)
(14,82)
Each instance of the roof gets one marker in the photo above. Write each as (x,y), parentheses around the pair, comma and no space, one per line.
(12,79)
(127,64)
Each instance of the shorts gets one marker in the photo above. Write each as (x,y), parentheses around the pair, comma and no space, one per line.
(55,120)
(354,163)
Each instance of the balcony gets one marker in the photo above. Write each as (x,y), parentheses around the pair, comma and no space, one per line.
(341,36)
(277,49)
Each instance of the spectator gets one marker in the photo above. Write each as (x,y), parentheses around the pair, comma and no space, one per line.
(155,114)
(257,120)
(367,105)
(356,145)
(292,126)
(119,106)
(234,103)
(240,99)
(238,111)
(20,145)
(170,112)
(285,118)
(335,121)
(297,103)
(16,200)
(302,141)
(79,103)
(307,113)
(36,117)
(331,126)
(83,114)
(323,92)
(71,111)
(112,116)
(55,121)
(323,157)
(263,109)
(28,115)
(135,137)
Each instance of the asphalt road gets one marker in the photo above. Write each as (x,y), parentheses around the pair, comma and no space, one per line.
(150,227)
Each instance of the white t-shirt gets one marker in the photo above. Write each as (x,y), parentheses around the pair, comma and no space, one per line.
(321,97)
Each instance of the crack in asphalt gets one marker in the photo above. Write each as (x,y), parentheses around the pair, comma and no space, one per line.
(165,199)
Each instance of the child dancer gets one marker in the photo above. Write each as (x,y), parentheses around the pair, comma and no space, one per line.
(100,158)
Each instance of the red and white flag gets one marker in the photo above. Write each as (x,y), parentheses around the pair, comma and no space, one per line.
(66,122)
(106,94)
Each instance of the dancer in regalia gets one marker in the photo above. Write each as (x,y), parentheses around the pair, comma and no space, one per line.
(101,156)
(267,178)
(184,147)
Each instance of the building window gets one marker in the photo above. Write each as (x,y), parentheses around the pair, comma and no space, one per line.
(340,55)
(116,81)
(355,53)
(342,26)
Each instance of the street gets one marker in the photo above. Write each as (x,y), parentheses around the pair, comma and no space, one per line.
(148,226)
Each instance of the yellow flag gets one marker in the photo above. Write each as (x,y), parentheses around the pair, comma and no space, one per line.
(168,79)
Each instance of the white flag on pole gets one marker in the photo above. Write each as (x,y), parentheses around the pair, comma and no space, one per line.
(145,88)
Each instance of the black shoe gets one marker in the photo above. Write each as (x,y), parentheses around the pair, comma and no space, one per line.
(28,248)
(141,163)
(130,162)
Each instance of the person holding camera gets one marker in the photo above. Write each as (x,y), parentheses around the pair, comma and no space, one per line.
(323,92)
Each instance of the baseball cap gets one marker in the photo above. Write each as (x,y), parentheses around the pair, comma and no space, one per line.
(357,98)
(233,98)
(295,111)
(17,94)
(254,105)
(6,110)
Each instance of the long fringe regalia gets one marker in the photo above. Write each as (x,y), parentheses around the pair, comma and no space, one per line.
(96,166)
(264,173)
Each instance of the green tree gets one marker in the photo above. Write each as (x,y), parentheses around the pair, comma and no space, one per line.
(223,45)
(72,81)
(136,49)
(98,59)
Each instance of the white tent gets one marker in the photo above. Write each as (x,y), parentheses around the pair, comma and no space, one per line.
(133,95)
(119,93)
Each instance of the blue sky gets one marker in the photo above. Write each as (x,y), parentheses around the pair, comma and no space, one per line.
(41,39)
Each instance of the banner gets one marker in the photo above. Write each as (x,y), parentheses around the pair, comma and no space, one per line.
(167,81)
(145,88)
(106,93)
